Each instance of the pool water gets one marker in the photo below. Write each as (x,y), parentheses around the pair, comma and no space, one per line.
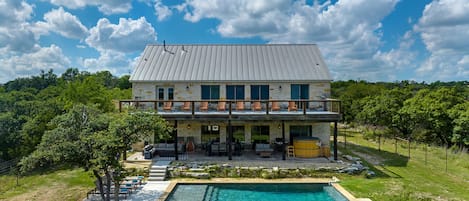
(255,192)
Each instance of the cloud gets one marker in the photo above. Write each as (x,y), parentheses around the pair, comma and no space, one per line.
(64,23)
(28,64)
(162,12)
(107,7)
(348,32)
(126,37)
(115,62)
(444,29)
(15,32)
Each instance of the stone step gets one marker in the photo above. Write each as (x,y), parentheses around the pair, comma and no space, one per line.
(157,175)
(158,167)
(153,170)
(155,178)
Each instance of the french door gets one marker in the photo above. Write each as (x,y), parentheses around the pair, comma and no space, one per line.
(164,93)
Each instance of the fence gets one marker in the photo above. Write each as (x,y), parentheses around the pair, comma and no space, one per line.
(5,167)
(429,155)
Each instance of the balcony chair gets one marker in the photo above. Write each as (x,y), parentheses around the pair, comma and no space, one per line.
(275,106)
(204,106)
(292,106)
(221,106)
(240,105)
(256,106)
(167,106)
(186,106)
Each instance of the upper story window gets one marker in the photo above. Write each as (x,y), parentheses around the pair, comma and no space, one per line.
(299,91)
(235,92)
(259,92)
(210,92)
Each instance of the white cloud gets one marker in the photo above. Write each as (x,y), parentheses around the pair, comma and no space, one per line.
(31,63)
(15,32)
(115,62)
(348,32)
(127,36)
(444,29)
(64,23)
(162,12)
(107,7)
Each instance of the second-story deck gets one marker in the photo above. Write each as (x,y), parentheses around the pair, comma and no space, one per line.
(314,110)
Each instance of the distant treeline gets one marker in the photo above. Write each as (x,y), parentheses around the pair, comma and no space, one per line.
(27,105)
(434,113)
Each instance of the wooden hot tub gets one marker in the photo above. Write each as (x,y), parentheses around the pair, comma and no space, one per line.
(307,147)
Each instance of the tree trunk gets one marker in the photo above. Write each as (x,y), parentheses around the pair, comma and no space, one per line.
(108,186)
(116,190)
(99,184)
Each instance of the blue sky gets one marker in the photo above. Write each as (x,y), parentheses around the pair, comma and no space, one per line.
(374,40)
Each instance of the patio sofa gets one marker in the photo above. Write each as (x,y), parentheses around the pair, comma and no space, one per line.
(167,149)
(263,148)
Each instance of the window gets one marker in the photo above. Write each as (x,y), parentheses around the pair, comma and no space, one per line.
(299,91)
(235,92)
(260,134)
(210,92)
(259,92)
(300,131)
(238,133)
(209,133)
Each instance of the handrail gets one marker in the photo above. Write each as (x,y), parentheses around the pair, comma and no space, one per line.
(267,106)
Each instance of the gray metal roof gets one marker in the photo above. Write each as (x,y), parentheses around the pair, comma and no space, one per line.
(233,63)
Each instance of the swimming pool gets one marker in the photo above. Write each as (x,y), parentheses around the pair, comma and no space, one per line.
(255,192)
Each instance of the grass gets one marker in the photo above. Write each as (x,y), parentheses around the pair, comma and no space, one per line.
(69,184)
(399,177)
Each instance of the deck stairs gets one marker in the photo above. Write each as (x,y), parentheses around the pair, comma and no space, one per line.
(158,170)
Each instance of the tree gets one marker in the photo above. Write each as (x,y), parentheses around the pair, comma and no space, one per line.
(88,91)
(460,114)
(430,109)
(132,127)
(87,138)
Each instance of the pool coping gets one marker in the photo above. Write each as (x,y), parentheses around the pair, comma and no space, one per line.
(333,183)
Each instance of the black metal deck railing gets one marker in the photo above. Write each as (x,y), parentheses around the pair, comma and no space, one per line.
(234,107)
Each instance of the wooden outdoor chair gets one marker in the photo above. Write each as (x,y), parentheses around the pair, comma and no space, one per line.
(275,106)
(221,106)
(292,106)
(186,106)
(256,106)
(204,106)
(240,105)
(167,106)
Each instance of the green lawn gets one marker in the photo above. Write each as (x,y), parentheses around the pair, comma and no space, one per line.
(54,185)
(401,178)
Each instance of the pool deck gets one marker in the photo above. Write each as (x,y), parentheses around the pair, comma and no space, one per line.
(337,186)
(153,190)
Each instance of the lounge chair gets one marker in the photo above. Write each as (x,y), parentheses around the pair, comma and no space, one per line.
(221,106)
(292,106)
(240,105)
(167,106)
(204,106)
(275,106)
(186,106)
(256,106)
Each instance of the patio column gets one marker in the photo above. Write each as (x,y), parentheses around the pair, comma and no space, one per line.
(283,140)
(335,140)
(175,138)
(230,137)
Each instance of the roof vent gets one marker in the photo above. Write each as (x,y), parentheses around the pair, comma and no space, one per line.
(164,48)
(183,51)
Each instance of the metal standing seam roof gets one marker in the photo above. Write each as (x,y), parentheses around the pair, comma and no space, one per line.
(231,63)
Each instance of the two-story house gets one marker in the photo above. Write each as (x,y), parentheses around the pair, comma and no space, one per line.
(246,94)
